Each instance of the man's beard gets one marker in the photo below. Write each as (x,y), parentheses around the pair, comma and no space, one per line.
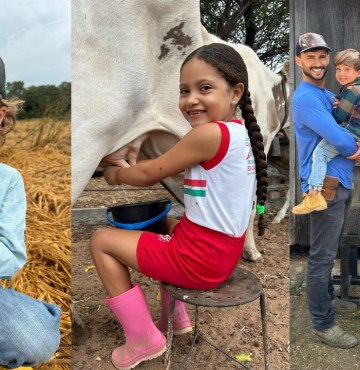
(308,74)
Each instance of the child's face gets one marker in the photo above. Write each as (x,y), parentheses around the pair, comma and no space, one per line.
(346,74)
(205,96)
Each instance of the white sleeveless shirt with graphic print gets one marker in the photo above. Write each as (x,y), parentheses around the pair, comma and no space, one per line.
(219,193)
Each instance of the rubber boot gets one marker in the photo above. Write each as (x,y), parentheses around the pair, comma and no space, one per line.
(143,340)
(181,320)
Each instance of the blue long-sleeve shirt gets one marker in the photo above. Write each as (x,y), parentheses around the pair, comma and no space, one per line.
(12,221)
(313,121)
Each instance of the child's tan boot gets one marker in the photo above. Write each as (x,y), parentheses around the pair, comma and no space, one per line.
(310,203)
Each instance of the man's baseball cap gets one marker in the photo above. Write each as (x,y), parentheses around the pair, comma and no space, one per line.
(309,41)
(2,79)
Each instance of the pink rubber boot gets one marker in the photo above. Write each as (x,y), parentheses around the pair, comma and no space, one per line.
(143,340)
(181,322)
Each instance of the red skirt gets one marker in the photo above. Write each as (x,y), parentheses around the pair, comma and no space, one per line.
(192,257)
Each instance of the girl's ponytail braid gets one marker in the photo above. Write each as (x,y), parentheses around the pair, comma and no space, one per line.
(257,145)
(231,66)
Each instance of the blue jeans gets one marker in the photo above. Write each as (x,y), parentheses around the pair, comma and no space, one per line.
(323,153)
(29,330)
(326,227)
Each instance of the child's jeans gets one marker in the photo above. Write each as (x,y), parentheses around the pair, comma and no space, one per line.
(323,153)
(29,330)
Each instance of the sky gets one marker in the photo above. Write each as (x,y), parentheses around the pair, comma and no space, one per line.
(35,41)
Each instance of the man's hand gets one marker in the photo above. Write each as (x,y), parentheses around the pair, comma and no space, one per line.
(355,156)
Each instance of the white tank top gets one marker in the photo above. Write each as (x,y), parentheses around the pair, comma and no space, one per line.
(219,193)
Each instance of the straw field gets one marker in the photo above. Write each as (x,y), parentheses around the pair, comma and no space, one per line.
(40,151)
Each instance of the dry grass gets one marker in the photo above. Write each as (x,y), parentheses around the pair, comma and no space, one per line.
(40,150)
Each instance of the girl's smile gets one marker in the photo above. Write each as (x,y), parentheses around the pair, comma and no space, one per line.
(205,96)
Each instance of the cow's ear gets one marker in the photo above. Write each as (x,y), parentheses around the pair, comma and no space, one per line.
(238,91)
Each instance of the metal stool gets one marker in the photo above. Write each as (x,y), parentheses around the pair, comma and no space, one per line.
(349,244)
(241,288)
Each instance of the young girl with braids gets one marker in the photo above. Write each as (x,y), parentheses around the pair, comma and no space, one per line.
(222,158)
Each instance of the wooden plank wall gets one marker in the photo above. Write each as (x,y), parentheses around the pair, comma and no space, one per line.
(338,21)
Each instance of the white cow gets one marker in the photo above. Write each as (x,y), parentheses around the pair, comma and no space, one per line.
(126,57)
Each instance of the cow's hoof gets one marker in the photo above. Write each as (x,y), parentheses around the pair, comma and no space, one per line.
(252,256)
(276,220)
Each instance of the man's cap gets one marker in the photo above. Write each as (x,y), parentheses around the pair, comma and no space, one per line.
(2,79)
(309,41)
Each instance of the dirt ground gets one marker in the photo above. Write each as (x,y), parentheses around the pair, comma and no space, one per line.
(308,353)
(237,330)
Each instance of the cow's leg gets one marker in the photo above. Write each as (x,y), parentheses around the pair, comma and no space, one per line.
(250,252)
(80,333)
(281,214)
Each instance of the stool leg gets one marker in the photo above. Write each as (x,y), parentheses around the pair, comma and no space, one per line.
(196,321)
(170,331)
(196,334)
(263,321)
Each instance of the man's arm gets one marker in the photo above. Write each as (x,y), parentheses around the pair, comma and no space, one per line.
(319,119)
(12,224)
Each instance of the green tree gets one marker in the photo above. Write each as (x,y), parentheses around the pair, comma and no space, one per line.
(31,106)
(262,25)
(42,101)
(15,89)
(64,100)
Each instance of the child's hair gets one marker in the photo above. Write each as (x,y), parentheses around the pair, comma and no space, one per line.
(8,123)
(350,57)
(229,63)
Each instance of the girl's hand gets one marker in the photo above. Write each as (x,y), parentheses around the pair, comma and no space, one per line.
(110,174)
(126,156)
(355,156)
(198,145)
(114,160)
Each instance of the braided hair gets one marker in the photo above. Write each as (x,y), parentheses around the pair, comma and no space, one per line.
(229,63)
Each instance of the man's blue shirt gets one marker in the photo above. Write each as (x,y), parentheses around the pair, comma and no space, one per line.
(313,121)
